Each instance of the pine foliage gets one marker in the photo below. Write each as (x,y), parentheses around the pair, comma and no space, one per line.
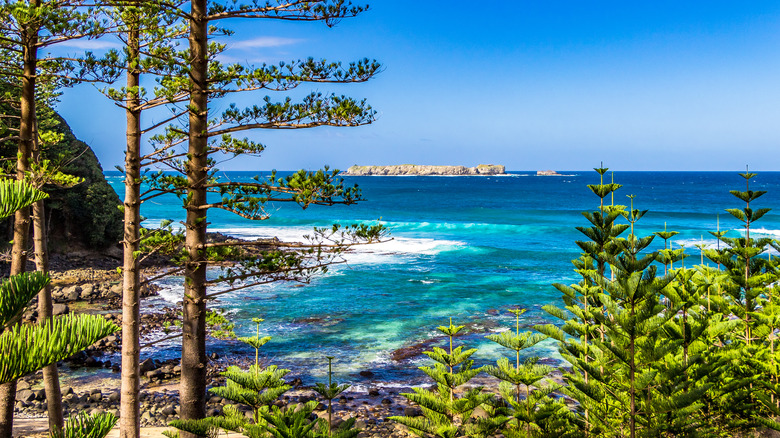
(526,389)
(447,410)
(16,293)
(15,195)
(687,352)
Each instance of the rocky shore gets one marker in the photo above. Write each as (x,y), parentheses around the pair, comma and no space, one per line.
(90,380)
(424,170)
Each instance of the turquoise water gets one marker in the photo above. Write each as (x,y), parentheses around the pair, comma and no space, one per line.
(463,247)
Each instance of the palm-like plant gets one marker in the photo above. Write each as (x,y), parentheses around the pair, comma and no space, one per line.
(27,348)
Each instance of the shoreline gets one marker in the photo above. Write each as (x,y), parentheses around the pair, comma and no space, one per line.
(90,381)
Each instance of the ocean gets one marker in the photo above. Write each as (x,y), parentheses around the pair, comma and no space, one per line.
(463,247)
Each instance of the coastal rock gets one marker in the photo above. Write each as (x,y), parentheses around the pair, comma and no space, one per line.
(25,396)
(146,366)
(419,170)
(60,309)
(411,351)
(547,173)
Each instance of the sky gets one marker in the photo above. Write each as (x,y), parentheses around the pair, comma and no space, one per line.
(563,85)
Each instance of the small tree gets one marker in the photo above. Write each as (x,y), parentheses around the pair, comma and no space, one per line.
(444,413)
(525,387)
(748,294)
(583,306)
(258,388)
(330,392)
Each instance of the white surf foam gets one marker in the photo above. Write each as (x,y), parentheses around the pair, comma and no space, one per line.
(394,251)
(763,231)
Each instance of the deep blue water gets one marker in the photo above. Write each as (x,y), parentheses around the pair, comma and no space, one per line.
(464,247)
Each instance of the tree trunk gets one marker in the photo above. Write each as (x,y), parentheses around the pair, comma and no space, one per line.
(51,378)
(129,409)
(193,350)
(21,217)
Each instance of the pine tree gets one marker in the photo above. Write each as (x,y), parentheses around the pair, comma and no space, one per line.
(202,79)
(525,387)
(668,255)
(26,27)
(42,172)
(258,388)
(642,374)
(583,304)
(687,363)
(747,295)
(147,31)
(445,414)
(329,392)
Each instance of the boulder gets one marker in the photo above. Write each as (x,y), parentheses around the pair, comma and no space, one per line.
(147,365)
(59,309)
(72,293)
(87,290)
(25,396)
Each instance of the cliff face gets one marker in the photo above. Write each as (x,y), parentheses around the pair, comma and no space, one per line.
(88,213)
(413,169)
(85,216)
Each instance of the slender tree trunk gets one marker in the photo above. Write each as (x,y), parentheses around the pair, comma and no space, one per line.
(632,380)
(129,409)
(51,378)
(193,351)
(21,217)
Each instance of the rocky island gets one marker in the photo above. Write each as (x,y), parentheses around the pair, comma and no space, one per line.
(421,170)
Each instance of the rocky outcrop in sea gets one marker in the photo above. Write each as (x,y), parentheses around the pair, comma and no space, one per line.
(420,170)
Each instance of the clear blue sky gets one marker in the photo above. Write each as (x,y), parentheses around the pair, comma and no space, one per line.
(661,85)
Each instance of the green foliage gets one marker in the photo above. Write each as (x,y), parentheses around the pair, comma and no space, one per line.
(218,325)
(291,422)
(257,387)
(525,388)
(329,392)
(15,294)
(688,353)
(15,195)
(87,426)
(203,428)
(27,348)
(446,414)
